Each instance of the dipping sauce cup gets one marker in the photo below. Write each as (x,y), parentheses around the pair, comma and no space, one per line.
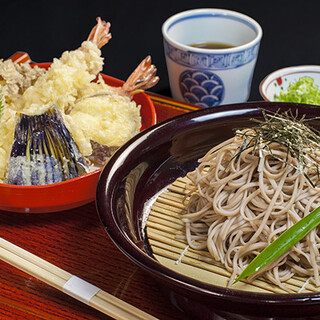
(211,55)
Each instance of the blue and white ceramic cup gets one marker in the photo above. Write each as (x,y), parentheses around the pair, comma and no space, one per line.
(211,77)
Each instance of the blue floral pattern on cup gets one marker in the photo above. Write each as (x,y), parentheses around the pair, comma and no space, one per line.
(215,61)
(203,88)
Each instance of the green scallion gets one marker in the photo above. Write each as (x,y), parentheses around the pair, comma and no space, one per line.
(284,242)
(302,90)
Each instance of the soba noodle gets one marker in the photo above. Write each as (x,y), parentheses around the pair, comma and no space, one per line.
(242,200)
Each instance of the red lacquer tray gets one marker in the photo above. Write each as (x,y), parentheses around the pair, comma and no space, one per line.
(76,241)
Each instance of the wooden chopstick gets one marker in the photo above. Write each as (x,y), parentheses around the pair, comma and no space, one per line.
(69,284)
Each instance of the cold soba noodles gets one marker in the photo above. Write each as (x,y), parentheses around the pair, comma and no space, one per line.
(251,188)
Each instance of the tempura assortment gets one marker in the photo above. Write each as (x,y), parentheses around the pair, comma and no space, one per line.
(59,123)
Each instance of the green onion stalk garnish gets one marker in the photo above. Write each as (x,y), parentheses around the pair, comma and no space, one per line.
(283,243)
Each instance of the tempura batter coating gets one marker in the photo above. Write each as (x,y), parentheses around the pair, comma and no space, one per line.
(91,111)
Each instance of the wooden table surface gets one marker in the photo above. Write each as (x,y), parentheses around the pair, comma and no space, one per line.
(76,241)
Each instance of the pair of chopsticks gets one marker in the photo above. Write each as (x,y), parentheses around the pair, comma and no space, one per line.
(69,284)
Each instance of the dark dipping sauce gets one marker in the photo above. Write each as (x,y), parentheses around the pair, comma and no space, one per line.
(212,45)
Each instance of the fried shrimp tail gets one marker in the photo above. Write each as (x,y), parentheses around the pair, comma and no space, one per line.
(100,34)
(142,78)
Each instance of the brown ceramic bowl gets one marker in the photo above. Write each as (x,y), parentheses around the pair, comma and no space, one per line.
(156,157)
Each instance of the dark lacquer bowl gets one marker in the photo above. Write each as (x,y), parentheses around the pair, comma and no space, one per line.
(70,193)
(154,159)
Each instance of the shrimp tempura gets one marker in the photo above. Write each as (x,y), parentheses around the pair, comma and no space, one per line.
(66,76)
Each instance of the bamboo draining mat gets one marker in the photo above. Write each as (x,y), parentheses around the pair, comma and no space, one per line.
(164,226)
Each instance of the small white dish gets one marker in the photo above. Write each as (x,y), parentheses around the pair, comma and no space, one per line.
(279,80)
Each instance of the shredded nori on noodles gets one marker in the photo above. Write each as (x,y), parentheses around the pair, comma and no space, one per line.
(301,141)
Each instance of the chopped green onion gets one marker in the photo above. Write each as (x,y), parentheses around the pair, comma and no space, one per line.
(284,242)
(302,90)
